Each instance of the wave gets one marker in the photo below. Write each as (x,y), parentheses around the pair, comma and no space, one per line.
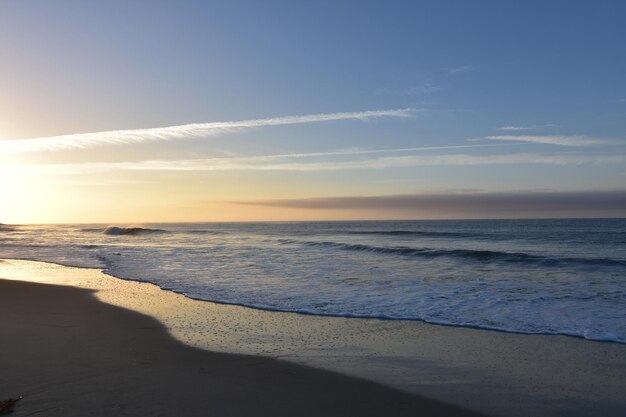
(414,233)
(92,230)
(116,231)
(476,255)
(6,228)
(205,232)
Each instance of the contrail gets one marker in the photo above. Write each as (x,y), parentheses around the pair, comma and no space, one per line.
(188,131)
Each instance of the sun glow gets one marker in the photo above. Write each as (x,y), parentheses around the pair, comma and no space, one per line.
(24,193)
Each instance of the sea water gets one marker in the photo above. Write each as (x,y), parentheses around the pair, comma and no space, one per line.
(527,276)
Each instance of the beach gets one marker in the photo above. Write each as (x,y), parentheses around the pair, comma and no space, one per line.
(68,354)
(98,345)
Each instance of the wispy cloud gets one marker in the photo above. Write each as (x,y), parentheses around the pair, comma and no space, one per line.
(283,163)
(459,70)
(435,160)
(481,204)
(517,128)
(352,152)
(188,131)
(563,140)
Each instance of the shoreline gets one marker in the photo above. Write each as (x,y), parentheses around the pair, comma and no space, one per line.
(496,373)
(100,359)
(305,313)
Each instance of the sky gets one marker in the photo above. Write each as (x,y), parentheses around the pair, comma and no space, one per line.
(164,111)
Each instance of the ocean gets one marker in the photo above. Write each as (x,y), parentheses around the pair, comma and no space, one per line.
(563,277)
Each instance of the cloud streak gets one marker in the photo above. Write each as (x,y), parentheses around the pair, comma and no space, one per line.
(282,162)
(459,70)
(188,131)
(562,140)
(519,128)
(515,128)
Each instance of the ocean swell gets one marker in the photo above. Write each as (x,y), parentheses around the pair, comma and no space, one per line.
(468,254)
(417,233)
(6,228)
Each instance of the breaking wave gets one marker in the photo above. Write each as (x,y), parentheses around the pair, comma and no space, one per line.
(115,231)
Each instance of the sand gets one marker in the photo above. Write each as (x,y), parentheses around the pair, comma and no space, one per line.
(496,373)
(69,354)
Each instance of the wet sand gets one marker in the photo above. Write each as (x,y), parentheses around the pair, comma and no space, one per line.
(69,354)
(495,373)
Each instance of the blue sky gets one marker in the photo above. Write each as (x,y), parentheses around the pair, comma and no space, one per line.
(542,83)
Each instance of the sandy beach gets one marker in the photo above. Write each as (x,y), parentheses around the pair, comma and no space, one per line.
(69,354)
(99,345)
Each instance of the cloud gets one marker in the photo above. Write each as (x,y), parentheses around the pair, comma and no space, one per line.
(283,162)
(518,128)
(434,160)
(188,131)
(363,151)
(460,69)
(515,128)
(562,140)
(481,204)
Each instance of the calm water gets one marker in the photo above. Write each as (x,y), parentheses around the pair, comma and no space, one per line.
(531,276)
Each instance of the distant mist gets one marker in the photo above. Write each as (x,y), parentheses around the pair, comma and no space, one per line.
(472,205)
